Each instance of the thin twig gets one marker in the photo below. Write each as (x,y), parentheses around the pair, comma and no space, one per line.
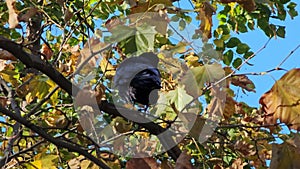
(233,72)
(290,54)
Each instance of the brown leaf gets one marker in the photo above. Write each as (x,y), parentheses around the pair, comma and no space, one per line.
(205,15)
(183,161)
(229,108)
(29,14)
(4,55)
(68,15)
(283,101)
(244,82)
(3,101)
(245,148)
(90,49)
(144,163)
(100,93)
(285,156)
(165,164)
(13,14)
(46,51)
(238,164)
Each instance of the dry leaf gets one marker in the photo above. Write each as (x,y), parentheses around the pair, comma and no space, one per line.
(68,15)
(238,164)
(183,161)
(13,14)
(283,101)
(5,55)
(46,51)
(144,163)
(230,107)
(205,15)
(285,156)
(3,101)
(32,11)
(246,149)
(244,82)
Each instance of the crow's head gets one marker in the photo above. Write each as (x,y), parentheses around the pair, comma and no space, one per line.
(138,79)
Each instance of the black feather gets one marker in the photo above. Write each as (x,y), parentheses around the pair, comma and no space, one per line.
(138,79)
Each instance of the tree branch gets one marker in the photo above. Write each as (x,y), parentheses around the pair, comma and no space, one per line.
(36,62)
(57,141)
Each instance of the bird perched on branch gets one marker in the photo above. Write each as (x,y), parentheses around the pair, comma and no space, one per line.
(138,79)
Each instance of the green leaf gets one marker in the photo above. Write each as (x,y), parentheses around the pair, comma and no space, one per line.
(281,32)
(242,48)
(179,97)
(219,43)
(188,19)
(248,54)
(284,1)
(182,24)
(237,62)
(196,78)
(282,15)
(145,38)
(228,56)
(233,42)
(175,18)
(121,32)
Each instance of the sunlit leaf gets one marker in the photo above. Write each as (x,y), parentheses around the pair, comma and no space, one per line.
(198,77)
(13,13)
(282,101)
(179,97)
(205,15)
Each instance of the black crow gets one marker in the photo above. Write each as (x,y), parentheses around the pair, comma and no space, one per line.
(138,79)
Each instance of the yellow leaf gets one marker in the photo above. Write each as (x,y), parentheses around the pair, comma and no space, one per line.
(192,60)
(10,76)
(54,97)
(108,68)
(43,160)
(40,87)
(205,15)
(283,101)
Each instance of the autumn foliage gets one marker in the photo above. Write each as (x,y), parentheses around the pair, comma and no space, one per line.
(59,107)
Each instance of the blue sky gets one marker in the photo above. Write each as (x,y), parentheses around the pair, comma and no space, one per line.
(271,57)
